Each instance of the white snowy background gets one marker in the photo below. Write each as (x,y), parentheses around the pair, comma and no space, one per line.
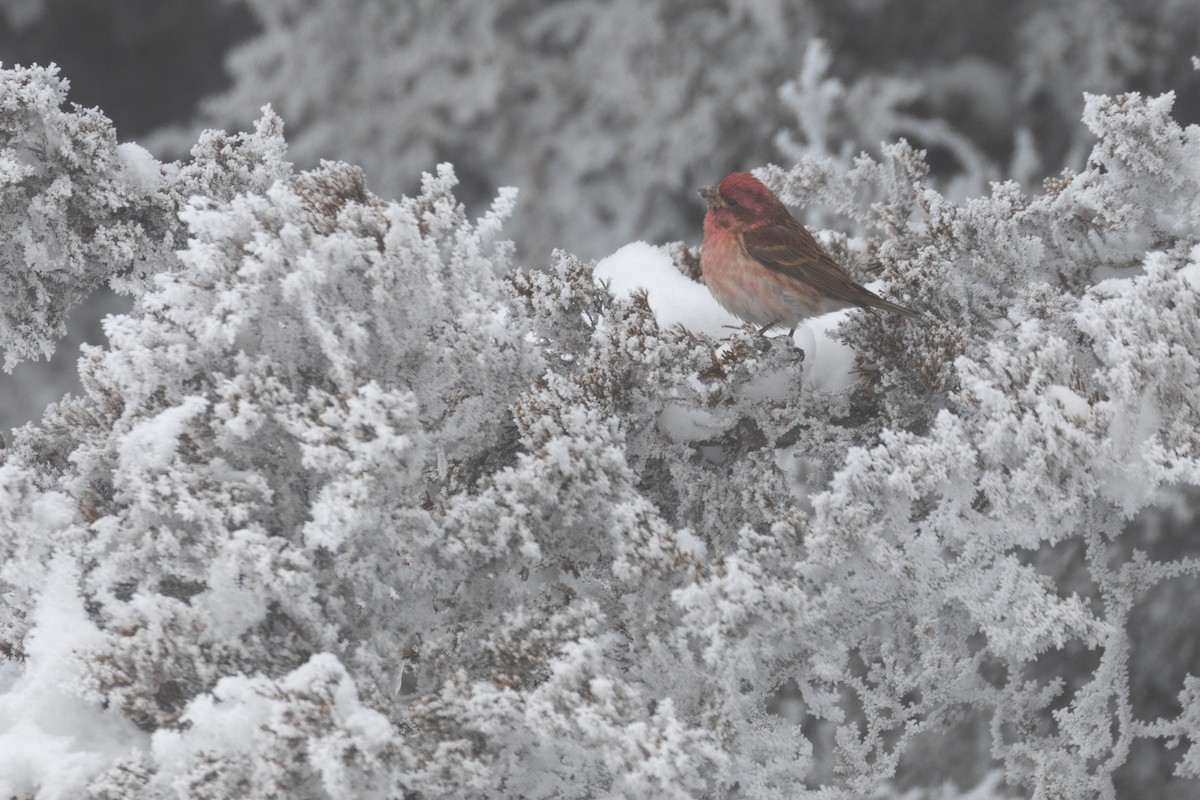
(381,479)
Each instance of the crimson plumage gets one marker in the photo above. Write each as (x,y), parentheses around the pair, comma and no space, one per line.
(765,267)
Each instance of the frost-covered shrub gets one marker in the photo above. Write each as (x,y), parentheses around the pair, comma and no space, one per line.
(283,364)
(78,211)
(1069,407)
(350,506)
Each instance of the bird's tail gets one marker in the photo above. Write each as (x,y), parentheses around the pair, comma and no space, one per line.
(887,305)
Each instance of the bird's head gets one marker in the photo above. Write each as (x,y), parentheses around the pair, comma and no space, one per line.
(742,198)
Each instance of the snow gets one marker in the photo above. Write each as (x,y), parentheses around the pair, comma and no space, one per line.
(52,741)
(1131,435)
(1191,273)
(1071,403)
(245,715)
(676,299)
(828,363)
(685,424)
(151,444)
(142,169)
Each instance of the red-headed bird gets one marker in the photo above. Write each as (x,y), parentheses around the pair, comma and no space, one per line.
(765,267)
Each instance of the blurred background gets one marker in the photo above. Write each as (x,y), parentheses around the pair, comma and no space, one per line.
(608,114)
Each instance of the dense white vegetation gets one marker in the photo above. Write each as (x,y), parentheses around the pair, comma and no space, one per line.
(352,505)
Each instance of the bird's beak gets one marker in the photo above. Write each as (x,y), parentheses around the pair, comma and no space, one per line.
(713,197)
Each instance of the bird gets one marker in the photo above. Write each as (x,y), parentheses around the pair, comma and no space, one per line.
(765,268)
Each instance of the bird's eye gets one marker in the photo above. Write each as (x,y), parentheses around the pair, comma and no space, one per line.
(730,202)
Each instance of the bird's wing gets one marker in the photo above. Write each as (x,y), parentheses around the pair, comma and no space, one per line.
(787,247)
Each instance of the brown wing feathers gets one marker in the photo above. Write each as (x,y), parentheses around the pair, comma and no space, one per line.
(788,247)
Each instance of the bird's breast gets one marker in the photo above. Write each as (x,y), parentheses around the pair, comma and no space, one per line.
(747,289)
